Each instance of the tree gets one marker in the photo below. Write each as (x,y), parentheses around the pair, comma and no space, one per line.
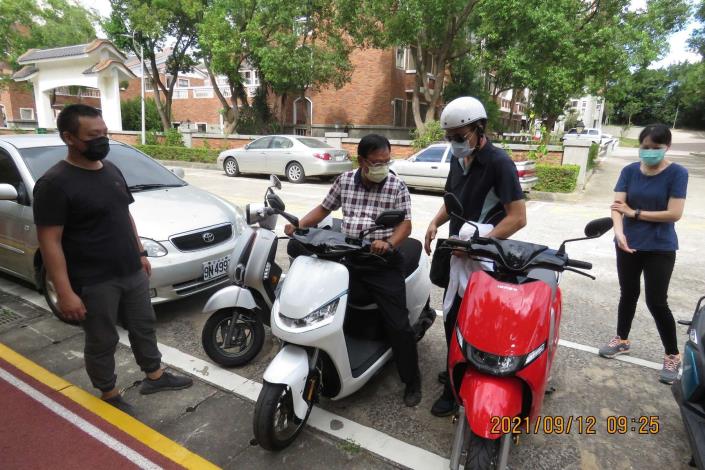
(156,25)
(131,111)
(295,45)
(435,31)
(26,24)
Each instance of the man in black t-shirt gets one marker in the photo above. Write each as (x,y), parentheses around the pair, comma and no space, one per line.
(485,180)
(94,257)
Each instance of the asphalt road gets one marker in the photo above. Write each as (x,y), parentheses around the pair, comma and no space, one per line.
(586,384)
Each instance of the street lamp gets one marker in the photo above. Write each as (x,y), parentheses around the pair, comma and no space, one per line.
(141,81)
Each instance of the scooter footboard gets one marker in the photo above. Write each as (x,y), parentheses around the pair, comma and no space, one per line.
(290,367)
(487,399)
(229,297)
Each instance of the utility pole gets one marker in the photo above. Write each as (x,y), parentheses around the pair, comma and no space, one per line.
(675,118)
(142,90)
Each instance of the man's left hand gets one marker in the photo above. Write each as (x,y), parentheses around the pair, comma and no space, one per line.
(146,266)
(380,247)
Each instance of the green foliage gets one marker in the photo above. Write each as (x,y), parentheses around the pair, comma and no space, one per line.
(173,138)
(165,152)
(627,142)
(132,114)
(592,155)
(538,152)
(425,137)
(257,119)
(151,138)
(556,179)
(26,24)
(466,82)
(571,119)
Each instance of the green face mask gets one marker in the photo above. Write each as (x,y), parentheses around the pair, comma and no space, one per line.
(376,174)
(652,157)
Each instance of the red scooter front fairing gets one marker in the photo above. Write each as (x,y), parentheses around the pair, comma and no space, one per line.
(502,349)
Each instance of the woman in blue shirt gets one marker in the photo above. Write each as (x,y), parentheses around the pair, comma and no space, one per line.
(649,199)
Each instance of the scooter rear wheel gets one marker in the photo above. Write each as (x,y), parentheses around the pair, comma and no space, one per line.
(275,423)
(483,454)
(247,336)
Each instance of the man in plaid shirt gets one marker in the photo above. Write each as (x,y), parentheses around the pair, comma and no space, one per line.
(363,195)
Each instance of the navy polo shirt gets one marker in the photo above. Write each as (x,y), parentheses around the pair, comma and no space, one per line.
(651,193)
(491,182)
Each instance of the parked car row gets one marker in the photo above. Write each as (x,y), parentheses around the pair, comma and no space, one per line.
(188,233)
(428,169)
(589,133)
(296,157)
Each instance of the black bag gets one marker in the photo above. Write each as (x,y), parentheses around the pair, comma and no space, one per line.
(440,265)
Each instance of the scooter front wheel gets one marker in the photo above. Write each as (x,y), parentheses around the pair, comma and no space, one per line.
(275,423)
(232,337)
(483,454)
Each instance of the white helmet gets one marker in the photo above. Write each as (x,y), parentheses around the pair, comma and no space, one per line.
(461,112)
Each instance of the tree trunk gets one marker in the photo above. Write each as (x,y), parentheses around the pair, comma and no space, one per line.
(511,109)
(230,112)
(166,123)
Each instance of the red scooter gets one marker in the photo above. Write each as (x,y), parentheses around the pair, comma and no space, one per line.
(505,340)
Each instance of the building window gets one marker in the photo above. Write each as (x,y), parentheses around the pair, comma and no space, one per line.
(398,113)
(202,127)
(183,83)
(574,103)
(176,125)
(225,92)
(180,94)
(300,131)
(221,80)
(27,114)
(203,93)
(401,58)
(411,59)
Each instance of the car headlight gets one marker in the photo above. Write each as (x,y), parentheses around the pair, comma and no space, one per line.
(495,364)
(153,249)
(316,319)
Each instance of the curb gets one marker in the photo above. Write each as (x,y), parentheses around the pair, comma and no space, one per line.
(182,164)
(554,197)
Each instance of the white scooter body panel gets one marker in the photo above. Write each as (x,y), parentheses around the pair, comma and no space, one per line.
(290,367)
(229,297)
(311,279)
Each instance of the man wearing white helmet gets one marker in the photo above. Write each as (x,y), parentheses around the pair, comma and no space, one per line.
(485,180)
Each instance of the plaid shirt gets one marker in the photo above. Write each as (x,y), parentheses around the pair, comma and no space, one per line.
(361,205)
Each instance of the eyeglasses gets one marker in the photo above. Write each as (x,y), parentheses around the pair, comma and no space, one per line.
(379,164)
(459,138)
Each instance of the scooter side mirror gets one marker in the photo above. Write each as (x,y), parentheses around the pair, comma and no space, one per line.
(390,219)
(598,227)
(453,204)
(274,182)
(275,202)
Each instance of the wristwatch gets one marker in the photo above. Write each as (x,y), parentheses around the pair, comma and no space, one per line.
(637,213)
(143,253)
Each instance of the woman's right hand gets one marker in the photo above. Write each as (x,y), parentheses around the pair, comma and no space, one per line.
(622,243)
(289,230)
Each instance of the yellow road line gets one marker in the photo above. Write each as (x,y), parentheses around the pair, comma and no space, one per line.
(126,423)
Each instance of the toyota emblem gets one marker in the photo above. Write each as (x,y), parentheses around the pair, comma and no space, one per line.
(208,237)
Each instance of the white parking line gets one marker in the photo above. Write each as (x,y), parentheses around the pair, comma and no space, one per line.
(367,438)
(582,347)
(104,438)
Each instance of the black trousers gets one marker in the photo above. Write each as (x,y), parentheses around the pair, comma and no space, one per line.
(385,284)
(126,298)
(657,268)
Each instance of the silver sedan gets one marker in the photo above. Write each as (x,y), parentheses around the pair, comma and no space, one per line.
(293,156)
(189,234)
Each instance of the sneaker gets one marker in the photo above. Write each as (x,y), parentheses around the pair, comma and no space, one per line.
(118,402)
(445,405)
(443,377)
(167,381)
(669,372)
(412,393)
(614,348)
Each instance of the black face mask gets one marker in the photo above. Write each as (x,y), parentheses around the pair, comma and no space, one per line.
(97,149)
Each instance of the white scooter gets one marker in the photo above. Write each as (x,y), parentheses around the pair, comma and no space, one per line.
(333,344)
(234,333)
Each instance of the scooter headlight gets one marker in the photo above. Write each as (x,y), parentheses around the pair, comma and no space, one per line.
(316,319)
(495,364)
(693,335)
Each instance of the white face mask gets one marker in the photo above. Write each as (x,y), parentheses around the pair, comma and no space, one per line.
(461,149)
(376,174)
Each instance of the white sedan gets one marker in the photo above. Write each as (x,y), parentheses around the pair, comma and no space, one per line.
(429,168)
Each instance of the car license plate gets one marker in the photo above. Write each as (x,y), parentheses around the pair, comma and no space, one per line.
(215,268)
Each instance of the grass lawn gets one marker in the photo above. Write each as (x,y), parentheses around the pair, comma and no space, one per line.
(627,142)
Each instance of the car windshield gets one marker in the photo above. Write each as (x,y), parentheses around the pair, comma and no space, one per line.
(140,171)
(314,143)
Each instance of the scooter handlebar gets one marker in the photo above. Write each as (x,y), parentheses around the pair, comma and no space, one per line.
(574,263)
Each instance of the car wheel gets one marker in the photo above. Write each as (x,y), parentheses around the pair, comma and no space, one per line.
(230,167)
(52,298)
(295,173)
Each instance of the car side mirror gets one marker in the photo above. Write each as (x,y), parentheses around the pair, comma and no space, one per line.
(8,193)
(598,227)
(389,219)
(247,146)
(178,172)
(274,182)
(453,204)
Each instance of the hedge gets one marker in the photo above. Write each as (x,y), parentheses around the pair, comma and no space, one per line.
(592,155)
(556,179)
(165,152)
